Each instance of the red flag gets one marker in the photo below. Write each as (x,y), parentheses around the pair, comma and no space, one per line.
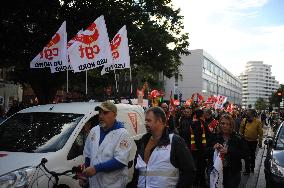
(200,99)
(176,102)
(188,102)
(154,94)
(210,102)
(192,97)
(212,126)
(220,101)
(230,108)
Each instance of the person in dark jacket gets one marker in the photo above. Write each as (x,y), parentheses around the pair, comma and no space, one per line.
(162,159)
(185,125)
(238,120)
(263,118)
(232,147)
(199,135)
(170,119)
(178,117)
(14,108)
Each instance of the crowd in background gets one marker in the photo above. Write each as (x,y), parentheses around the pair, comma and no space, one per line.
(236,134)
(232,135)
(15,107)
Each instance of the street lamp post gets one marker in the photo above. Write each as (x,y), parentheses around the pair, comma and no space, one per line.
(217,85)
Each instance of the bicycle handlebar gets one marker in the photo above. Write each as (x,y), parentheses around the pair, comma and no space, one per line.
(55,174)
(75,170)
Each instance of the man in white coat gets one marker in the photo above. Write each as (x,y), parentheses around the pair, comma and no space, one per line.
(107,150)
(162,159)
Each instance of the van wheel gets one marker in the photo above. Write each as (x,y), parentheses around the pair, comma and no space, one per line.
(63,186)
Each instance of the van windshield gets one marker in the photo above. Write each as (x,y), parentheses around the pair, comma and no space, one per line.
(38,132)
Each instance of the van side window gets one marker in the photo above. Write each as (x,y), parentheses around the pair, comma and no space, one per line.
(78,145)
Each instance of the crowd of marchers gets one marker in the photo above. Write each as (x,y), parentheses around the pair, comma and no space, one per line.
(209,135)
(188,146)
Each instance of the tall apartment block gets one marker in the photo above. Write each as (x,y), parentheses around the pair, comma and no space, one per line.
(257,83)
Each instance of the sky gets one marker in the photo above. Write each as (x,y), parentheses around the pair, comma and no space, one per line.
(237,31)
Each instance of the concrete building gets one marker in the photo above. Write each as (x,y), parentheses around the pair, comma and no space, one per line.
(201,73)
(8,90)
(257,82)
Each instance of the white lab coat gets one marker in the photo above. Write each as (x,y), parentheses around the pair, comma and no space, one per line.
(159,172)
(115,144)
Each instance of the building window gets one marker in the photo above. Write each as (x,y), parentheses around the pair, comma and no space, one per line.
(208,65)
(205,64)
(211,87)
(212,68)
(218,71)
(215,88)
(205,85)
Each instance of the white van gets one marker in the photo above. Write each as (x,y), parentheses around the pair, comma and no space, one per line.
(56,132)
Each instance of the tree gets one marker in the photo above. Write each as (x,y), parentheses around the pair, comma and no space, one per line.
(260,104)
(155,32)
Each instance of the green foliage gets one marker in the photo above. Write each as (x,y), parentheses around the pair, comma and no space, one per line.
(260,104)
(155,33)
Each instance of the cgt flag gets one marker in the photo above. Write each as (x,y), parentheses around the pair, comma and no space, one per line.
(220,101)
(92,48)
(68,65)
(54,53)
(120,52)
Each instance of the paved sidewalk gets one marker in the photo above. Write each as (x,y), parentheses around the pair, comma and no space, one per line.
(261,183)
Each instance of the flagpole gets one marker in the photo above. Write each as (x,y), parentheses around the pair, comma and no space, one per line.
(86,82)
(130,77)
(67,89)
(115,82)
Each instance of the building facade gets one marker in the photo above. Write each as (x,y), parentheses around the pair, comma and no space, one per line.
(201,73)
(8,90)
(257,83)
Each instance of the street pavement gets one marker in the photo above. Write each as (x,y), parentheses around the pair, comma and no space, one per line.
(257,179)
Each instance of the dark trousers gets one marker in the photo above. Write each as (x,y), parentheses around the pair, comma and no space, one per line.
(200,164)
(250,161)
(231,179)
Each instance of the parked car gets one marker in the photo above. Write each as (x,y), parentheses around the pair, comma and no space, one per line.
(56,132)
(274,162)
